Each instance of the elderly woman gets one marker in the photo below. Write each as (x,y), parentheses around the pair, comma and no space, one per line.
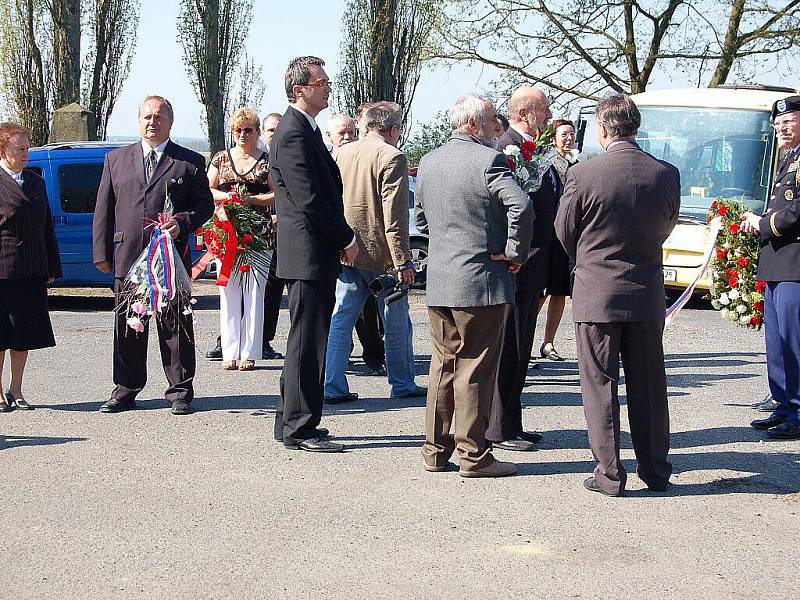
(241,313)
(558,282)
(29,260)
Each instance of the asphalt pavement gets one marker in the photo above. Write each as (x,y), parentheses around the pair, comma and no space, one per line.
(146,504)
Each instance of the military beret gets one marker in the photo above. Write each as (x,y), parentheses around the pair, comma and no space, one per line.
(787,105)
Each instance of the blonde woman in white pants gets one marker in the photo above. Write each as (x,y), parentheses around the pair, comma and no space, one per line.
(241,315)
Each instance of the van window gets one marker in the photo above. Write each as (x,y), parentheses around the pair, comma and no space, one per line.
(79,185)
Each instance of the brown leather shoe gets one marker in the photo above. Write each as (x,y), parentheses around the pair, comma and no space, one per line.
(495,469)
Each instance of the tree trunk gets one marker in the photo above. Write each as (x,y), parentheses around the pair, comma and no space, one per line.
(384,83)
(96,98)
(730,46)
(66,51)
(215,110)
(39,121)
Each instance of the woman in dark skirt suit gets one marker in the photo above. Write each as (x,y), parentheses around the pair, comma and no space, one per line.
(559,279)
(29,260)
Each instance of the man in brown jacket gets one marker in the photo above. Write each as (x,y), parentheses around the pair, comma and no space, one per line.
(616,211)
(375,181)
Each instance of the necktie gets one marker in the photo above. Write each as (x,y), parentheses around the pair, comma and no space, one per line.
(318,135)
(18,178)
(150,165)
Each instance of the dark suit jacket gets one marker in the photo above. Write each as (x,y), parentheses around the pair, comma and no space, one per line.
(780,227)
(544,206)
(616,211)
(28,245)
(308,201)
(124,202)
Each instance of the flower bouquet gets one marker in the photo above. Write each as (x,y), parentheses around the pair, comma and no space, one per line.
(735,288)
(157,279)
(530,162)
(237,236)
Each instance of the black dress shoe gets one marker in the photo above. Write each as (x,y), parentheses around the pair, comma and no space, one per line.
(321,432)
(349,397)
(530,436)
(5,405)
(592,485)
(316,445)
(516,445)
(788,430)
(115,406)
(181,407)
(269,353)
(376,371)
(20,403)
(771,421)
(216,352)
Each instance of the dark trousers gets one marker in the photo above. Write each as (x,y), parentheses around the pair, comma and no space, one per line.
(520,327)
(176,342)
(639,344)
(272,301)
(369,329)
(464,357)
(299,408)
(782,333)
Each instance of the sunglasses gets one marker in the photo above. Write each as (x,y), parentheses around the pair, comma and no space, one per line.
(244,130)
(320,83)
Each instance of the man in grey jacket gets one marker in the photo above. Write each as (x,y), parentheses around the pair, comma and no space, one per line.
(479,223)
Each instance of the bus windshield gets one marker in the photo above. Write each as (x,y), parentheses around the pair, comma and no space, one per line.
(720,152)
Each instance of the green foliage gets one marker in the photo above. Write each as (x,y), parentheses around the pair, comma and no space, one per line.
(429,137)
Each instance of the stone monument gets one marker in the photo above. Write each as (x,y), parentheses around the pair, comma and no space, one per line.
(72,123)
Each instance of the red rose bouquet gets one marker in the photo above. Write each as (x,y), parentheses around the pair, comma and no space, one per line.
(529,162)
(237,236)
(735,288)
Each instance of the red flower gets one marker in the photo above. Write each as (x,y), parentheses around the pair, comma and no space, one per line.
(759,306)
(512,164)
(743,262)
(722,210)
(761,286)
(244,268)
(247,239)
(528,148)
(734,228)
(714,205)
(722,254)
(756,320)
(733,282)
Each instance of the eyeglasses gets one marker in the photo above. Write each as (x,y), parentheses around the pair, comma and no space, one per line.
(244,130)
(320,83)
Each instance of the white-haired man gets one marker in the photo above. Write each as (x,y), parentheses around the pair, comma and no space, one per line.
(479,222)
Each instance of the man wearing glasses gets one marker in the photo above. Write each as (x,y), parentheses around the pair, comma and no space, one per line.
(313,238)
(779,266)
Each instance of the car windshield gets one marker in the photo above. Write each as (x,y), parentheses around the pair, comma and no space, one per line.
(720,152)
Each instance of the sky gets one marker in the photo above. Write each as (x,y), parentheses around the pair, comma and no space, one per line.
(280,31)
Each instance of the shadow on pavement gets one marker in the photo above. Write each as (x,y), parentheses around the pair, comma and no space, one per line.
(364,442)
(19,441)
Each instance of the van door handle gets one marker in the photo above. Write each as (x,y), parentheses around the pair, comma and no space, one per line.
(59,221)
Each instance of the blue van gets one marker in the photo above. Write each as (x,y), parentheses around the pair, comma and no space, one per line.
(71,172)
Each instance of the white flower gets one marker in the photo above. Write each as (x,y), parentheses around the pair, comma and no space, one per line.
(134,279)
(716,304)
(733,315)
(724,300)
(524,174)
(724,313)
(745,297)
(193,301)
(512,150)
(188,311)
(745,320)
(741,309)
(733,294)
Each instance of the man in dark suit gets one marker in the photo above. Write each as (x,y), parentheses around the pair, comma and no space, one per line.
(313,237)
(616,212)
(528,112)
(133,189)
(779,266)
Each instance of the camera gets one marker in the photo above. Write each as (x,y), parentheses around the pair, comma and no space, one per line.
(389,281)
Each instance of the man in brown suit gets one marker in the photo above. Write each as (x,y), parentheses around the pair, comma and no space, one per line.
(132,189)
(375,183)
(616,212)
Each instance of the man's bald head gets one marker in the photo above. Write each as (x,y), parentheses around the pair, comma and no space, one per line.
(529,109)
(341,129)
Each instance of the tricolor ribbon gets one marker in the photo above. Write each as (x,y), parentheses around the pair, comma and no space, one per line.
(714,226)
(161,278)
